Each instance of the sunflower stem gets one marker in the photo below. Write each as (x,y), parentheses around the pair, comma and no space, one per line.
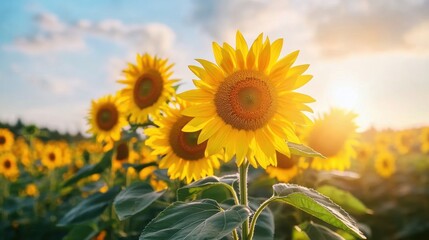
(243,169)
(256,215)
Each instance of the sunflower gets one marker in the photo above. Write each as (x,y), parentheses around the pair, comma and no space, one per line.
(148,86)
(245,103)
(32,190)
(8,166)
(106,119)
(147,157)
(6,139)
(286,169)
(385,164)
(424,138)
(404,141)
(334,136)
(121,156)
(383,140)
(183,156)
(52,156)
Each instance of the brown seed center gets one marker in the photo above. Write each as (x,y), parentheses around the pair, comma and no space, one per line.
(52,157)
(284,161)
(147,89)
(246,100)
(122,152)
(7,164)
(184,144)
(2,140)
(107,117)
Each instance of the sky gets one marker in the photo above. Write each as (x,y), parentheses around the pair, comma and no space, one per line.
(371,57)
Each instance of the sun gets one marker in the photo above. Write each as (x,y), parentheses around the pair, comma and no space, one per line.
(344,94)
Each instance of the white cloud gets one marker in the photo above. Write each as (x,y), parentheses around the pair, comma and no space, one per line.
(333,28)
(54,34)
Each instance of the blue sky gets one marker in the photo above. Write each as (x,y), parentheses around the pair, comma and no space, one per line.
(369,56)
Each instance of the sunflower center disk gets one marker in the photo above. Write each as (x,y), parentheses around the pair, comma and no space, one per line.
(51,157)
(246,100)
(107,117)
(385,163)
(122,152)
(284,161)
(184,144)
(7,164)
(2,140)
(148,89)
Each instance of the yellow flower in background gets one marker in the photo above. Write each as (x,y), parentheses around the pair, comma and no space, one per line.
(9,166)
(364,152)
(158,185)
(334,136)
(286,169)
(32,190)
(6,139)
(106,119)
(183,156)
(424,140)
(246,102)
(148,87)
(22,151)
(404,141)
(147,157)
(52,156)
(383,140)
(385,164)
(100,236)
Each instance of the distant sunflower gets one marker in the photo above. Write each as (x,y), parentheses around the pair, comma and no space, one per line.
(364,152)
(334,136)
(8,166)
(148,86)
(106,119)
(147,157)
(424,140)
(6,139)
(32,190)
(122,154)
(385,164)
(183,156)
(404,141)
(286,169)
(52,156)
(246,103)
(383,140)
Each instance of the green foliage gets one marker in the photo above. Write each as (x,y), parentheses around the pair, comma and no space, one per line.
(91,169)
(317,205)
(204,184)
(90,208)
(345,199)
(135,199)
(82,232)
(203,219)
(316,231)
(302,150)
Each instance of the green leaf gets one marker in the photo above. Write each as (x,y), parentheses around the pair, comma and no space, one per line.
(203,219)
(91,169)
(302,150)
(345,199)
(135,199)
(204,184)
(317,205)
(319,232)
(90,208)
(264,229)
(83,232)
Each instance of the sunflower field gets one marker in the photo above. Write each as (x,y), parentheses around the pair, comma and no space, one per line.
(242,155)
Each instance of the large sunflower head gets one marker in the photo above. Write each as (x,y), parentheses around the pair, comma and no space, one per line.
(6,139)
(148,86)
(106,119)
(286,169)
(245,102)
(8,166)
(385,164)
(183,156)
(334,136)
(52,156)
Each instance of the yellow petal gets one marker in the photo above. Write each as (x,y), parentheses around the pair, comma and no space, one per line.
(200,110)
(196,95)
(209,130)
(197,124)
